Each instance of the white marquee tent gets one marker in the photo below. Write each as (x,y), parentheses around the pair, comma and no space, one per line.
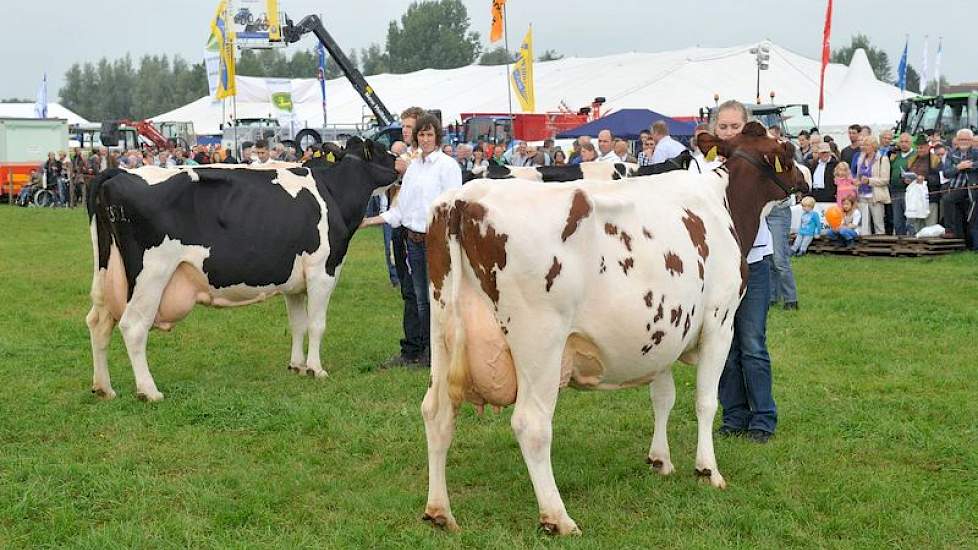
(675,83)
(26,110)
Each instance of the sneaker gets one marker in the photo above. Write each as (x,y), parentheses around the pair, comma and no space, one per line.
(790,306)
(727,431)
(759,436)
(398,361)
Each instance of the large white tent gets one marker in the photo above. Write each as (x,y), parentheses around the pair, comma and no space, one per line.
(26,110)
(675,83)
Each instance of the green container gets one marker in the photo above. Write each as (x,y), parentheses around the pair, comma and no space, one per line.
(31,139)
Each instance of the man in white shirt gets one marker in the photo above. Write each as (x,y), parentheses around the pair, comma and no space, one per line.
(428,176)
(665,147)
(606,147)
(261,150)
(745,385)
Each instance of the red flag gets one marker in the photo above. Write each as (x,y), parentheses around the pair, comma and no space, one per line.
(826,54)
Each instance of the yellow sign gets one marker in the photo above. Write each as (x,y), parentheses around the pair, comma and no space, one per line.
(522,76)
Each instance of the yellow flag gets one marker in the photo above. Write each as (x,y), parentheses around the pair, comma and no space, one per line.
(224,35)
(496,34)
(522,76)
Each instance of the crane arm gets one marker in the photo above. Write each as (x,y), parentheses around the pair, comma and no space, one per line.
(312,23)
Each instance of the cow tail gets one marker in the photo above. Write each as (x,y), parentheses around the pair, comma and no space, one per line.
(101,231)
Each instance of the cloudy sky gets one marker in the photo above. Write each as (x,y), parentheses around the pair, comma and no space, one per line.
(50,35)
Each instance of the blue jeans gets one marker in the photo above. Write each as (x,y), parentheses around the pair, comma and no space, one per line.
(844,234)
(745,385)
(782,279)
(899,205)
(802,242)
(373,209)
(417,259)
(411,345)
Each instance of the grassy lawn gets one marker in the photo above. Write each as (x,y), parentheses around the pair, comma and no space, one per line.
(876,379)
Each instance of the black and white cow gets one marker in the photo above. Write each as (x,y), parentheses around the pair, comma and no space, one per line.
(166,239)
(601,171)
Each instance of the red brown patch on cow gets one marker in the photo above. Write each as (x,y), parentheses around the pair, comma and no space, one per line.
(626,239)
(744,275)
(626,264)
(439,259)
(648,299)
(676,315)
(674,264)
(486,250)
(552,274)
(656,338)
(647,233)
(611,229)
(579,210)
(697,233)
(661,312)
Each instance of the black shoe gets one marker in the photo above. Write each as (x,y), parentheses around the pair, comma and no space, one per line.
(790,306)
(423,362)
(759,436)
(398,361)
(727,431)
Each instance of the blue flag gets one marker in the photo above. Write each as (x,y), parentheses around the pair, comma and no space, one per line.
(902,69)
(321,51)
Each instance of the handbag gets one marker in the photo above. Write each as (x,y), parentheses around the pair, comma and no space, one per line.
(881,193)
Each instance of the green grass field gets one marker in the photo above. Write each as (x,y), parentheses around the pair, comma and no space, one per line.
(876,379)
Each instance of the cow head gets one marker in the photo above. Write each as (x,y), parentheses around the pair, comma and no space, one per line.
(762,171)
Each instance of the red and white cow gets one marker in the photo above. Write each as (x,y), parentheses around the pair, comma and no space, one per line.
(595,285)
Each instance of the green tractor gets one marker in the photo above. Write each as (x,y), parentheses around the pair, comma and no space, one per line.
(944,114)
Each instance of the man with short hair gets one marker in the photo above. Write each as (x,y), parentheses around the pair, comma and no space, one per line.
(804,153)
(886,142)
(606,147)
(850,151)
(247,152)
(621,151)
(261,151)
(463,154)
(823,173)
(665,147)
(899,163)
(520,155)
(958,203)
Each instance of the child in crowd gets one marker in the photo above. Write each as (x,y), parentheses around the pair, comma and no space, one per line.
(811,225)
(849,229)
(844,184)
(917,202)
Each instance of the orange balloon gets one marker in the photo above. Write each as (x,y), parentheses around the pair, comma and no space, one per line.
(833,216)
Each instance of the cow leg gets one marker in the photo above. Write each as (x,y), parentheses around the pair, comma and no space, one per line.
(714,347)
(538,380)
(319,286)
(295,304)
(439,415)
(100,324)
(138,320)
(663,393)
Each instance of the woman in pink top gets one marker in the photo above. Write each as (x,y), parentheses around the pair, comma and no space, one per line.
(844,184)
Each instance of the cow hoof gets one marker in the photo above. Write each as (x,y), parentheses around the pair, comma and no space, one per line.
(559,528)
(295,369)
(149,397)
(713,477)
(103,394)
(662,467)
(316,373)
(441,520)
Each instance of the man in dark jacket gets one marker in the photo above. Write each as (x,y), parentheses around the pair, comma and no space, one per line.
(958,202)
(823,173)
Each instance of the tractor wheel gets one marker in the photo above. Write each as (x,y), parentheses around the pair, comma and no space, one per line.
(307,138)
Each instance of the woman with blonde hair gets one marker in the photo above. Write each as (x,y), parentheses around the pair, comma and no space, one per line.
(873,177)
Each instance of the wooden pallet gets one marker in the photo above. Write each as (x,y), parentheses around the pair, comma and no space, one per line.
(889,245)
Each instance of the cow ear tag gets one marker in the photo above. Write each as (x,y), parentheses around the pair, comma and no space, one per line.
(777,164)
(711,155)
(330,157)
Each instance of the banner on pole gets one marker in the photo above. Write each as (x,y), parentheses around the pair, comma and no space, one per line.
(826,55)
(521,77)
(222,38)
(496,34)
(41,101)
(902,69)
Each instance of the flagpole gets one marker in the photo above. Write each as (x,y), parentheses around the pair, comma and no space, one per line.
(509,89)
